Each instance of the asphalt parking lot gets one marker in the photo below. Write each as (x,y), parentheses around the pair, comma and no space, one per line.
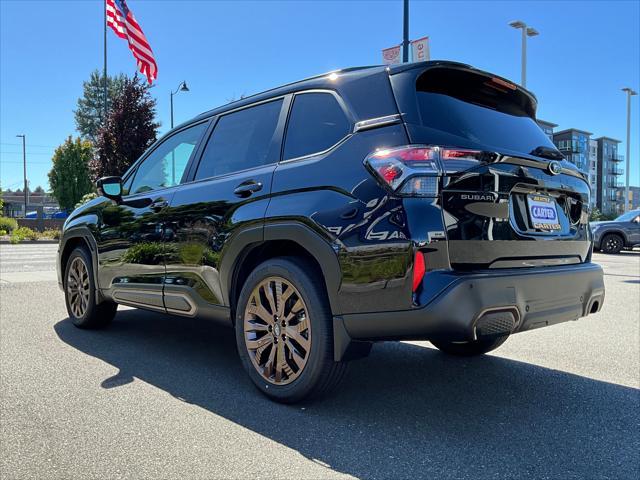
(156,396)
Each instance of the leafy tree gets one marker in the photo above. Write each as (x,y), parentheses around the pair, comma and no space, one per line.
(38,190)
(69,178)
(1,202)
(129,130)
(89,115)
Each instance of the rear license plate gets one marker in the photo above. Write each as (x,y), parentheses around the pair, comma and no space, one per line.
(543,212)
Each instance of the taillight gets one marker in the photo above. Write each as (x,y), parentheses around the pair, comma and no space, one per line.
(414,170)
(407,170)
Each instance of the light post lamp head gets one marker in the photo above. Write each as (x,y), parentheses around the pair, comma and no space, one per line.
(532,32)
(518,24)
(629,91)
(183,87)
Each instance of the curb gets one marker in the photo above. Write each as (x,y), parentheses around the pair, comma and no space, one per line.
(31,242)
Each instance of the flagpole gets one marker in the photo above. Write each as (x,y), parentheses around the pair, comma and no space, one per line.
(104,71)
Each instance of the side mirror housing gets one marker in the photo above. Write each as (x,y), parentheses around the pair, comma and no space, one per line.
(110,187)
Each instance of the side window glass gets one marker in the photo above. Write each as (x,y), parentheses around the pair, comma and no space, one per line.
(126,186)
(241,140)
(166,164)
(316,123)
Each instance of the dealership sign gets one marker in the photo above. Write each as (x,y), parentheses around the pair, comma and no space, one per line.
(391,56)
(420,50)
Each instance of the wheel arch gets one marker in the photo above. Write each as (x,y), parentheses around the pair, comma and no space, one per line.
(615,231)
(283,239)
(79,237)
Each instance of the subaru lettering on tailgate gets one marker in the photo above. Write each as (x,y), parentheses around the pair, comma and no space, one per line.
(543,212)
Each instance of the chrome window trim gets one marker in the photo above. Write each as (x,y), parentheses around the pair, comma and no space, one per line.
(343,106)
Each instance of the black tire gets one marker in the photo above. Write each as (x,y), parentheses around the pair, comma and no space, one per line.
(611,243)
(92,315)
(320,374)
(471,349)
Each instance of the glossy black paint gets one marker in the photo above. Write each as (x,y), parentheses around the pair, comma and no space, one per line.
(183,249)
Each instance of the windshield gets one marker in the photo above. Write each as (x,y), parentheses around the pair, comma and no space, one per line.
(627,217)
(481,109)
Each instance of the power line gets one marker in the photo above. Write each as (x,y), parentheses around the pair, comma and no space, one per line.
(30,153)
(19,145)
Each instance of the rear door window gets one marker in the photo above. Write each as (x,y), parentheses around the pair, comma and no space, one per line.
(241,140)
(477,108)
(317,122)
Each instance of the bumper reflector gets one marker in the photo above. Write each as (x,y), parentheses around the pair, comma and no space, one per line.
(418,270)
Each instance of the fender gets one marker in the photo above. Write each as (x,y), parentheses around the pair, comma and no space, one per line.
(83,232)
(294,231)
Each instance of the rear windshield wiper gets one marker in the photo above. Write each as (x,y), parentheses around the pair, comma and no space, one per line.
(547,152)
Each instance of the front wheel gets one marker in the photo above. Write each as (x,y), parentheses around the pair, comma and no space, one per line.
(611,243)
(470,349)
(284,331)
(80,293)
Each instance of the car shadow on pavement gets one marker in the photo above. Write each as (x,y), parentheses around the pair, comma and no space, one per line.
(404,412)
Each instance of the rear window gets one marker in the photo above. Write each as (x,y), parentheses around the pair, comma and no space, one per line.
(480,109)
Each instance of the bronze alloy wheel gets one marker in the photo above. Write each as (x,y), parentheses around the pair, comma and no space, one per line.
(277,331)
(78,287)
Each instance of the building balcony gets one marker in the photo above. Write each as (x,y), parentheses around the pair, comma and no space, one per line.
(575,148)
(615,158)
(614,170)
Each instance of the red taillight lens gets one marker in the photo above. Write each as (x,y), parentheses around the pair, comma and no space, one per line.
(414,170)
(418,270)
(458,160)
(400,168)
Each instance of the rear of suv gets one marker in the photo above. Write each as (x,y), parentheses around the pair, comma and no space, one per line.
(415,202)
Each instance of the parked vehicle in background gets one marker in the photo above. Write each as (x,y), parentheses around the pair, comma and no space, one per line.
(418,201)
(614,235)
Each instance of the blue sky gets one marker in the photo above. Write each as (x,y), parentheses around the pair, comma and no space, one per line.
(585,53)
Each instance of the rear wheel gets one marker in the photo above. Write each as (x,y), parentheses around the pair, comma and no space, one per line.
(471,349)
(80,293)
(611,243)
(284,331)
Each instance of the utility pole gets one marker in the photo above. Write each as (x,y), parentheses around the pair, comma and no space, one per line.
(629,93)
(24,165)
(526,32)
(104,71)
(405,33)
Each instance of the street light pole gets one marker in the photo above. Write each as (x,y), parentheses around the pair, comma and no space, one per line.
(526,32)
(629,93)
(181,88)
(24,167)
(405,33)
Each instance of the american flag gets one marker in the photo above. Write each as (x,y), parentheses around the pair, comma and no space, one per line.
(123,23)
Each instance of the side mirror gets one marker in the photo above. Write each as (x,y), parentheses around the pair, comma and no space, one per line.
(110,187)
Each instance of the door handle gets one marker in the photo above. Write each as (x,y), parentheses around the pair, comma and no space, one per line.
(158,205)
(245,189)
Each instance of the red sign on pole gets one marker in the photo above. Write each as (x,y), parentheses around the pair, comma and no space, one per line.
(391,56)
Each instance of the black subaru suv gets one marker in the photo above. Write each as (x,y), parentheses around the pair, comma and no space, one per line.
(418,201)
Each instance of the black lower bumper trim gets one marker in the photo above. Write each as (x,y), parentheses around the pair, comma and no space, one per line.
(536,297)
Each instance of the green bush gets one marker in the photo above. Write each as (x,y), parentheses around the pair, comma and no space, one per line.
(51,233)
(86,198)
(23,233)
(8,224)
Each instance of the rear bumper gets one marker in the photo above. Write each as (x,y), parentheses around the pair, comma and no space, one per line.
(489,302)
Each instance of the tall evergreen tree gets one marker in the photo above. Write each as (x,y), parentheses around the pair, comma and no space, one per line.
(89,115)
(129,130)
(69,178)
